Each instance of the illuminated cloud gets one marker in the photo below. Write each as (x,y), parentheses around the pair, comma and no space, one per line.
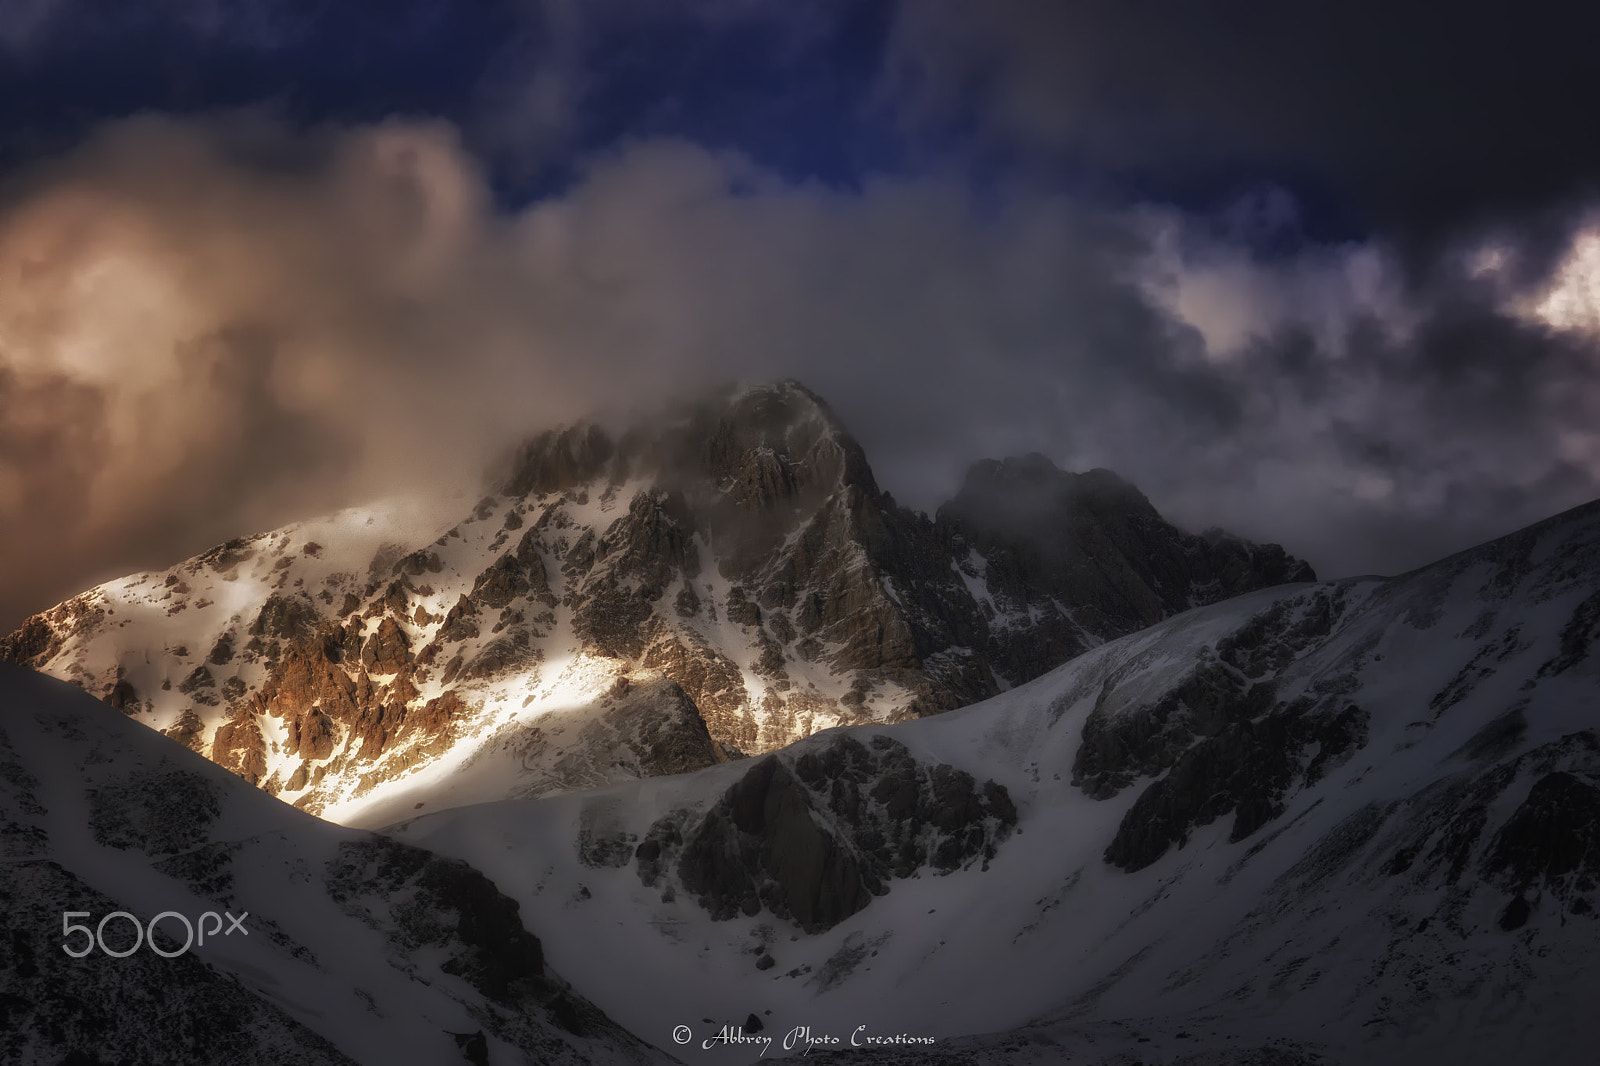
(1235,296)
(1572,299)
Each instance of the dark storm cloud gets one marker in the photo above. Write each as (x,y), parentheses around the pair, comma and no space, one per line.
(782,81)
(531,84)
(1403,116)
(1466,418)
(1417,115)
(30,25)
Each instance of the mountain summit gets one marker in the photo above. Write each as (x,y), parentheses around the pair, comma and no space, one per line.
(719,580)
(1067,561)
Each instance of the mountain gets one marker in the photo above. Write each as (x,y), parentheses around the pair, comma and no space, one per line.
(1349,822)
(330,946)
(718,580)
(1060,562)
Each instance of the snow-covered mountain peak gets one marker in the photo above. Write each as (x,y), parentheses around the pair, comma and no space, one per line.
(733,552)
(1343,822)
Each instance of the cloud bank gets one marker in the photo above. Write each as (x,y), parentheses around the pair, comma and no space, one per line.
(211,326)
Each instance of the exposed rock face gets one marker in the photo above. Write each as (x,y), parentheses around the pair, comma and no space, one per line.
(122,696)
(387,651)
(239,746)
(1219,741)
(815,840)
(557,460)
(447,905)
(739,546)
(1272,707)
(1553,837)
(285,617)
(1542,855)
(1070,560)
(32,644)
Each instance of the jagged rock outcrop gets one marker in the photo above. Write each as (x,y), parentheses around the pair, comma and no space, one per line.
(814,840)
(239,746)
(35,642)
(1218,740)
(1552,839)
(387,651)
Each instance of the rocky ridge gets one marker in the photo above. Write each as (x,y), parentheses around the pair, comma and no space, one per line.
(718,581)
(1067,561)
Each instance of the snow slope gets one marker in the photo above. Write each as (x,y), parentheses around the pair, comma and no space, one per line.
(1349,822)
(351,949)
